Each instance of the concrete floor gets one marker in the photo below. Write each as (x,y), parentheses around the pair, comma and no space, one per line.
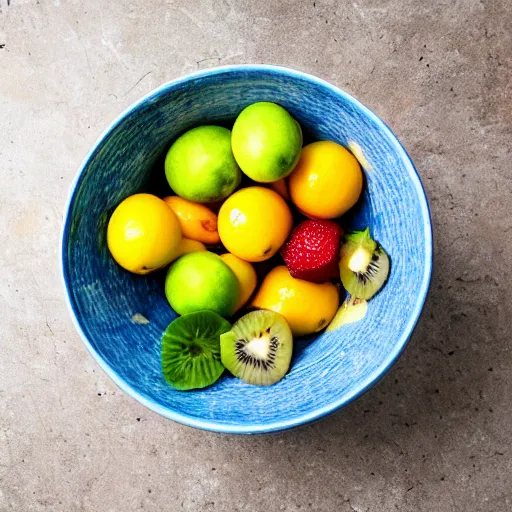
(436,433)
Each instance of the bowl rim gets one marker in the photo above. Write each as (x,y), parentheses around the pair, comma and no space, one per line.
(316,413)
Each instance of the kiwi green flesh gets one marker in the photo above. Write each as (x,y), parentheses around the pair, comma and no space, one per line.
(258,348)
(366,282)
(191,350)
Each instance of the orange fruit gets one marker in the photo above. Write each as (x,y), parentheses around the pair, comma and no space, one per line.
(245,274)
(197,221)
(187,246)
(281,188)
(308,307)
(254,223)
(327,181)
(143,234)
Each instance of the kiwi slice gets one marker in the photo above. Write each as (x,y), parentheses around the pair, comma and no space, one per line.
(364,265)
(258,348)
(191,350)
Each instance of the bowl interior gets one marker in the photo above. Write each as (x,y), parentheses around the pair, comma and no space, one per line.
(328,370)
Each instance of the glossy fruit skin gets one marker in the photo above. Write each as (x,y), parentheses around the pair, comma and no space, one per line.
(254,223)
(201,281)
(187,246)
(308,307)
(200,165)
(312,251)
(266,142)
(197,221)
(326,182)
(245,274)
(143,234)
(281,187)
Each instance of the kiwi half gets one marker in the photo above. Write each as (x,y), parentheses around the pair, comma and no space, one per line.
(191,350)
(258,348)
(364,265)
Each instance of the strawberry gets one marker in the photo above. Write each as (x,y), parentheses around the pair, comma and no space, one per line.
(312,251)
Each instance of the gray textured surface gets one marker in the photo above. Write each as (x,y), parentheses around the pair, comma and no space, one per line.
(435,434)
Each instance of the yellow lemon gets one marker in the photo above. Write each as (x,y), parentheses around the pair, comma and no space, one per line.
(254,223)
(308,307)
(245,274)
(327,181)
(197,221)
(143,234)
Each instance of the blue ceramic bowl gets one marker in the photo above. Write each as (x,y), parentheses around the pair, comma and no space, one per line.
(328,370)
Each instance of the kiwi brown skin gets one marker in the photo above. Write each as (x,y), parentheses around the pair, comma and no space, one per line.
(258,348)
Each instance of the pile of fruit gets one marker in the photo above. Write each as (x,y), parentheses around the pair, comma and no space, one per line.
(251,206)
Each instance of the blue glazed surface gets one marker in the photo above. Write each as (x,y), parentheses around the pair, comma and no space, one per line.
(328,370)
